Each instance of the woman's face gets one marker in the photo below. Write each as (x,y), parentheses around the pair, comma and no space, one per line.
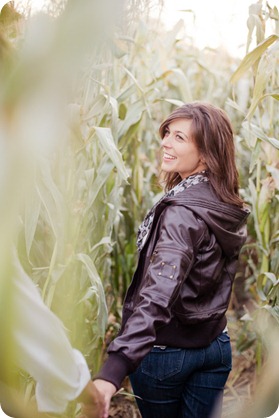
(180,154)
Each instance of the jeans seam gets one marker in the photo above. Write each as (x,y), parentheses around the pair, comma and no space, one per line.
(222,354)
(204,356)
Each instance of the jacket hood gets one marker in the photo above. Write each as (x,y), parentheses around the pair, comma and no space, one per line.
(227,222)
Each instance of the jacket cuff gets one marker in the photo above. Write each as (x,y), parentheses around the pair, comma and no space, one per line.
(115,369)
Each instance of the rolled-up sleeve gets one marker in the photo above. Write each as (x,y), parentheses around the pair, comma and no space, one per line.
(43,349)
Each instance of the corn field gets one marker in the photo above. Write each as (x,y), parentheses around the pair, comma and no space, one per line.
(80,112)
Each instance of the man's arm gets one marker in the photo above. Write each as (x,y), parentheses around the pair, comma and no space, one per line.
(44,351)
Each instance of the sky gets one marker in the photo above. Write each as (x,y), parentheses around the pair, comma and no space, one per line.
(213,23)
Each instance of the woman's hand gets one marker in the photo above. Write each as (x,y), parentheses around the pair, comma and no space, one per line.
(107,390)
(93,402)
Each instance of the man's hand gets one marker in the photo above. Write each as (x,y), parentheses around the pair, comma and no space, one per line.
(93,403)
(107,389)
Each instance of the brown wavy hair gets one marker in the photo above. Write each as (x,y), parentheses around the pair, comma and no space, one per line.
(211,130)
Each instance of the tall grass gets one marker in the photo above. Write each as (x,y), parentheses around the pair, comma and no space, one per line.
(60,132)
(80,116)
(60,176)
(259,161)
(257,140)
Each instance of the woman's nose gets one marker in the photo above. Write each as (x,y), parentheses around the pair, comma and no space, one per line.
(166,141)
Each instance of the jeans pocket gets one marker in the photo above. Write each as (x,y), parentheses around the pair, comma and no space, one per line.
(163,363)
(224,344)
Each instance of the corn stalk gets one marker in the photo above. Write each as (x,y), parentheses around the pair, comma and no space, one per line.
(258,135)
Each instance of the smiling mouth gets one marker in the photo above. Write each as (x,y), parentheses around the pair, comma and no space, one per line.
(169,157)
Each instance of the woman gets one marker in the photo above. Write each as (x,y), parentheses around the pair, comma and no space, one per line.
(173,341)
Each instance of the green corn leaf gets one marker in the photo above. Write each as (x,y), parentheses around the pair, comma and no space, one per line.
(127,93)
(104,171)
(107,143)
(252,57)
(257,98)
(234,105)
(262,282)
(97,289)
(183,84)
(174,102)
(264,71)
(103,241)
(99,106)
(256,130)
(254,197)
(133,116)
(32,212)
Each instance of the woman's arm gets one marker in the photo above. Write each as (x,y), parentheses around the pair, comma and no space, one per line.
(180,235)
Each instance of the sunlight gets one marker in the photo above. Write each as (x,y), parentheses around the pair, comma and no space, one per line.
(35,4)
(214,24)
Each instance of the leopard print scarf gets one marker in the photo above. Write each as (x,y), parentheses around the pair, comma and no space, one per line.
(180,187)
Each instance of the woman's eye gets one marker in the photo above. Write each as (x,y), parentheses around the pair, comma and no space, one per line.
(179,137)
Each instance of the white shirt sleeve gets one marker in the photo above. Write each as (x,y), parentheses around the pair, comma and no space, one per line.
(44,351)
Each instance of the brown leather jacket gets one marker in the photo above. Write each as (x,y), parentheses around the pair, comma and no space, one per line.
(182,285)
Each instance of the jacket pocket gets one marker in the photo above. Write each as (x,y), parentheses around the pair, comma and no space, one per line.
(166,271)
(162,363)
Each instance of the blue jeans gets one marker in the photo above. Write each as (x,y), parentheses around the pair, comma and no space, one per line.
(183,383)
